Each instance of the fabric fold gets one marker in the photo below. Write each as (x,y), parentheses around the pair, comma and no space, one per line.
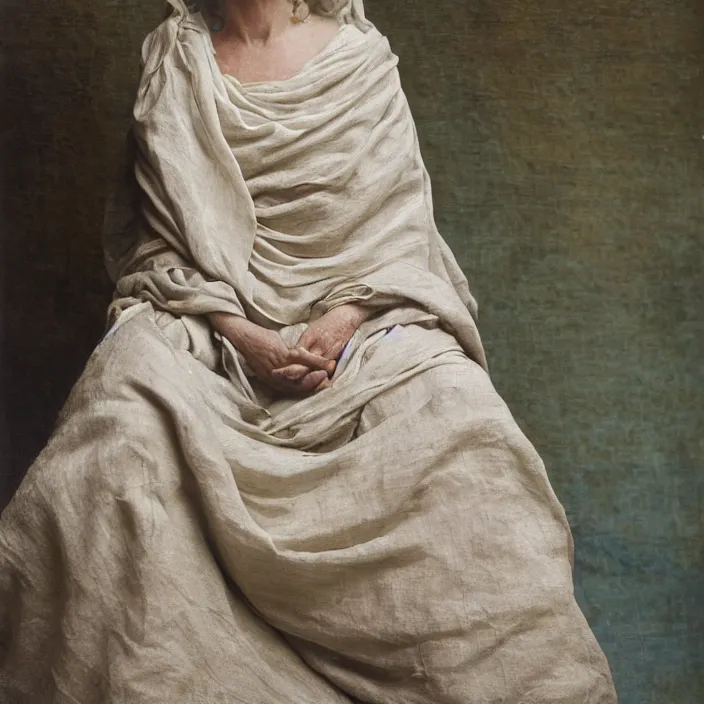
(282,199)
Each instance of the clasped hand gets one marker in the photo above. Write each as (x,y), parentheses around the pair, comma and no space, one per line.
(303,369)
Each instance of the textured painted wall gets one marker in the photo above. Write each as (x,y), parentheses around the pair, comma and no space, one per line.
(565,142)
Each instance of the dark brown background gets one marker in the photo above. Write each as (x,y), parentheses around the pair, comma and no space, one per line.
(565,140)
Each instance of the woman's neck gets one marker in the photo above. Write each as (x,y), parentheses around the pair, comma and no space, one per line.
(256,21)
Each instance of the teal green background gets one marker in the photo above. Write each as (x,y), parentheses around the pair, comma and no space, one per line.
(565,141)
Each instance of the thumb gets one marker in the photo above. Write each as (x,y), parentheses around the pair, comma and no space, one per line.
(312,344)
(307,340)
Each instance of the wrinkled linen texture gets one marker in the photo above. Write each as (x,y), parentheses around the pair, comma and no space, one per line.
(186,536)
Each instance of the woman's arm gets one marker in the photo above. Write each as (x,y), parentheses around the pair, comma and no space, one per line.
(233,327)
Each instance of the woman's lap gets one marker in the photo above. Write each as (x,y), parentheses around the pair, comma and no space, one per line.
(427,560)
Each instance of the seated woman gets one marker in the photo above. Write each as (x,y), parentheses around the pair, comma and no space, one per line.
(285,475)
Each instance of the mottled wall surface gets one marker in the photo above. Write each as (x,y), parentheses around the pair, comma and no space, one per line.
(565,142)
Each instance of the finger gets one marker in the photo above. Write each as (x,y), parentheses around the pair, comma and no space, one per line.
(314,348)
(312,381)
(325,384)
(295,372)
(306,340)
(314,361)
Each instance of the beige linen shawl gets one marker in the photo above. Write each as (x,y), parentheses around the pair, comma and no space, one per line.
(182,538)
(282,199)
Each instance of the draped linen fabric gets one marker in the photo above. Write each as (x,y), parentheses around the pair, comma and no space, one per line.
(187,535)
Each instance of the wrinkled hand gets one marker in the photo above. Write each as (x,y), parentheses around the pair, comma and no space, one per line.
(264,351)
(325,337)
